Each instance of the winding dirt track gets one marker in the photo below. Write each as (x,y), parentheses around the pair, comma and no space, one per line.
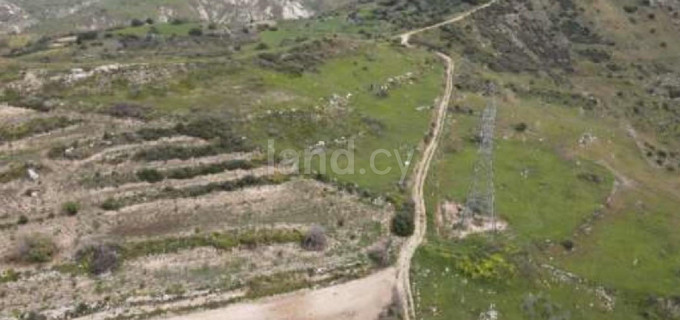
(363,298)
(420,219)
(421,171)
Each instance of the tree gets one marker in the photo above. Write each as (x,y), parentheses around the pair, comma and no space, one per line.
(99,258)
(402,223)
(85,36)
(315,239)
(521,127)
(136,22)
(150,175)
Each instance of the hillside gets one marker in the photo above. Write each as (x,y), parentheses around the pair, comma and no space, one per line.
(512,159)
(81,15)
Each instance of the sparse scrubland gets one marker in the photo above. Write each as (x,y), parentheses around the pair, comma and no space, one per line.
(137,179)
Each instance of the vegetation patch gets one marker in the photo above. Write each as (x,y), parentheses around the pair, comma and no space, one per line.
(403,224)
(9,275)
(221,241)
(99,258)
(14,171)
(35,248)
(81,149)
(193,191)
(33,127)
(70,208)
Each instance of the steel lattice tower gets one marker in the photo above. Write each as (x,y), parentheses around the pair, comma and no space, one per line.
(481,195)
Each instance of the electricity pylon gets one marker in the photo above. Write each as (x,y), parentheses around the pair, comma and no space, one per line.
(481,196)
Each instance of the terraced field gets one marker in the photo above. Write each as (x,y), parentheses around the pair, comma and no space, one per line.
(186,232)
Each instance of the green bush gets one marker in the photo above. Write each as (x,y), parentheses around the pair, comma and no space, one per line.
(491,267)
(15,171)
(630,9)
(402,223)
(70,208)
(9,275)
(136,23)
(521,127)
(34,126)
(112,204)
(22,220)
(195,32)
(87,36)
(150,175)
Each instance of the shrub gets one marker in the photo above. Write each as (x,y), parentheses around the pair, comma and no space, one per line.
(35,248)
(487,267)
(262,46)
(380,254)
(206,128)
(195,32)
(150,175)
(149,21)
(128,110)
(70,208)
(136,23)
(567,244)
(22,220)
(191,172)
(33,315)
(88,35)
(111,204)
(9,275)
(315,239)
(100,258)
(630,9)
(521,127)
(402,223)
(15,171)
(34,126)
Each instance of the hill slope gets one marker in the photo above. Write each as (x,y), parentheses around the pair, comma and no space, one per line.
(68,15)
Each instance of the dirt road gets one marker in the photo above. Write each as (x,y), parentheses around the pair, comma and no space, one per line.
(405,37)
(420,176)
(355,300)
(421,171)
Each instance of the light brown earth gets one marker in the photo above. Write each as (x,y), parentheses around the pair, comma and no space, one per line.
(359,299)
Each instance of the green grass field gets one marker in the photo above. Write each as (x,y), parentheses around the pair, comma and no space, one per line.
(544,193)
